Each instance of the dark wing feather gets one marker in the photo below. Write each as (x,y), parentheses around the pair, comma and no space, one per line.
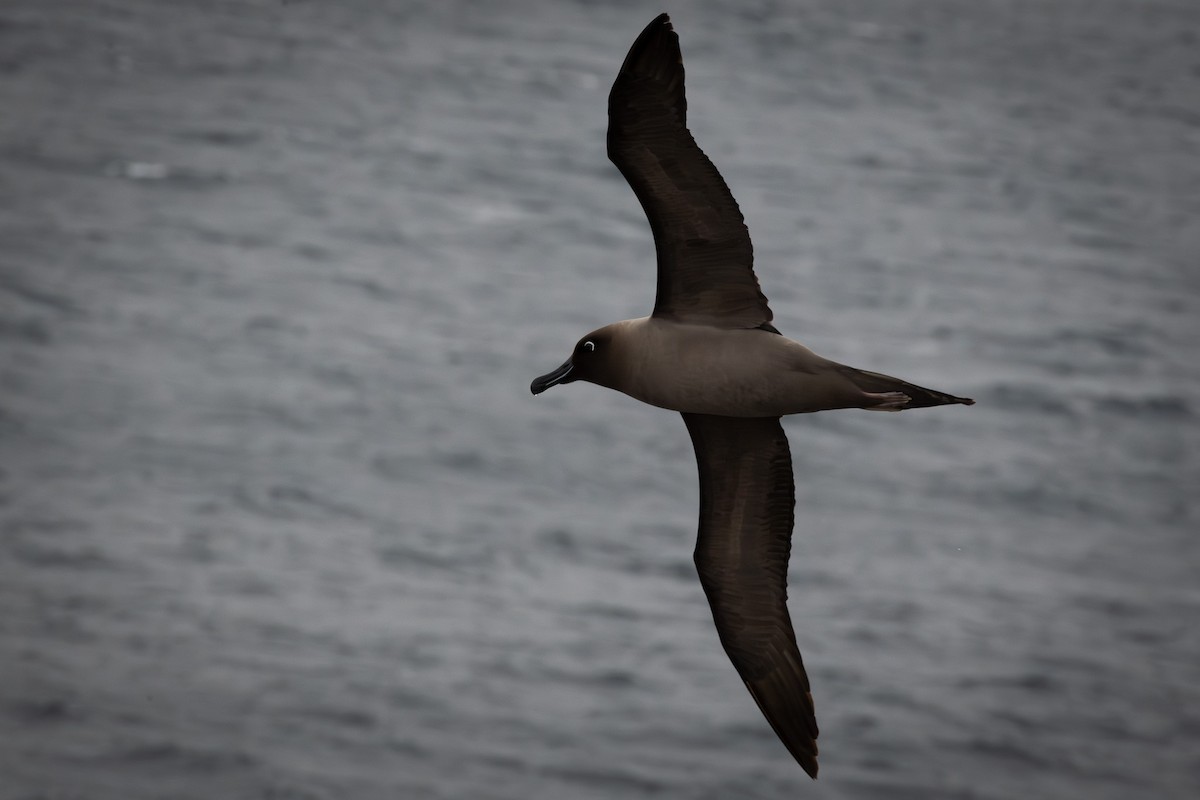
(705,260)
(747,501)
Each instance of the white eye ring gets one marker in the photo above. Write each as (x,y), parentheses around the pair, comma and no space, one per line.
(589,346)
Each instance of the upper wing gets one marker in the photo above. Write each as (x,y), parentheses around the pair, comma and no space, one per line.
(705,260)
(747,500)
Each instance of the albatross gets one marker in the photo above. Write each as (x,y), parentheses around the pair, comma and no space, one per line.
(709,351)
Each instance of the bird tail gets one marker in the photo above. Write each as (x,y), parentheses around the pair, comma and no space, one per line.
(918,396)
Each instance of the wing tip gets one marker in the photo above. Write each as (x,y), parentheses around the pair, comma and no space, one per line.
(659,33)
(784,698)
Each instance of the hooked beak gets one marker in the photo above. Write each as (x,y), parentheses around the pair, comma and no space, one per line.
(559,375)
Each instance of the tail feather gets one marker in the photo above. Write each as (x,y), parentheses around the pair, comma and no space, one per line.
(919,396)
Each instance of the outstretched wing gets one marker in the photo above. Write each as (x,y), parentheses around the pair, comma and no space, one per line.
(747,501)
(705,260)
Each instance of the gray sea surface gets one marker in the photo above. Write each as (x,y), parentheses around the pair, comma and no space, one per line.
(279,517)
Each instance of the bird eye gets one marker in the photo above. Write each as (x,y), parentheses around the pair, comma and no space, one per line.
(589,346)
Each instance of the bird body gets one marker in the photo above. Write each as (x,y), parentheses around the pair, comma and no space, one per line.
(734,372)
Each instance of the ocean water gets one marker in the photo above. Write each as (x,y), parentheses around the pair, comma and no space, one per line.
(280,519)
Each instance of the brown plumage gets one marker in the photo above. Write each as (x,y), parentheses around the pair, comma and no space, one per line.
(742,556)
(709,351)
(703,246)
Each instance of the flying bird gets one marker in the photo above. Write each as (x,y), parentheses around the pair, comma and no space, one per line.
(709,351)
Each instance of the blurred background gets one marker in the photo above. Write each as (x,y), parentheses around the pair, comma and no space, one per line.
(280,519)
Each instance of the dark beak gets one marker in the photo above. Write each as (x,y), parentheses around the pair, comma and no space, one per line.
(559,375)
